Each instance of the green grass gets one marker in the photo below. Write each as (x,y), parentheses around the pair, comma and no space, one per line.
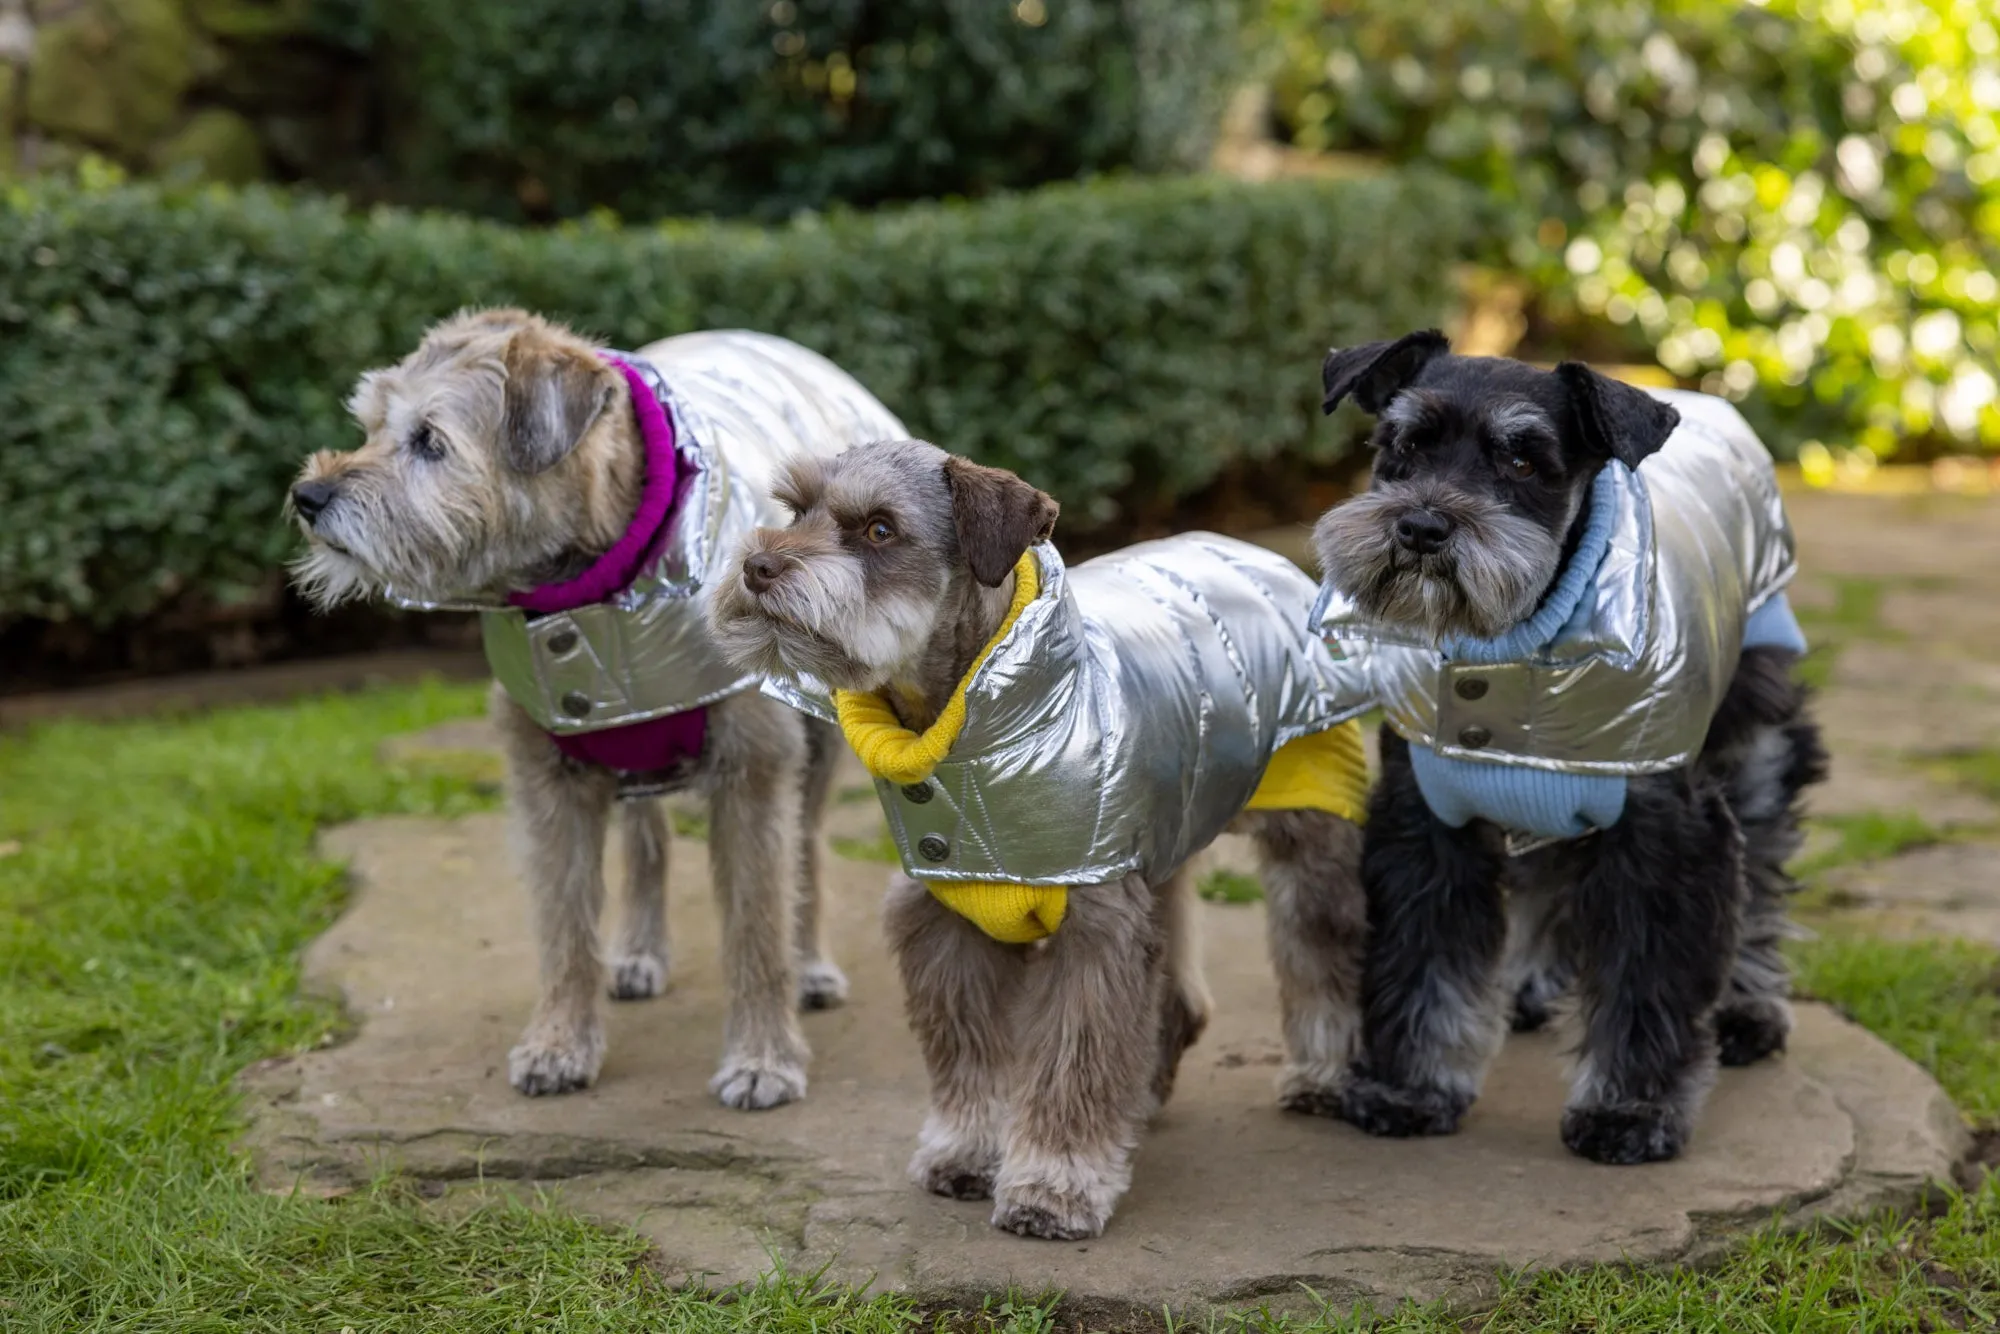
(1221,886)
(1865,838)
(1975,769)
(1856,613)
(878,847)
(157,882)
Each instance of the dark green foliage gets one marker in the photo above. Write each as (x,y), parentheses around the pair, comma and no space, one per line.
(1793,201)
(168,359)
(540,108)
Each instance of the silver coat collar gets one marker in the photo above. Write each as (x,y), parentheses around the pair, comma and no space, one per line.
(1701,541)
(742,404)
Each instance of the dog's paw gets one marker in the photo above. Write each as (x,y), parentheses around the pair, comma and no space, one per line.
(1531,1012)
(954,1162)
(638,976)
(952,1177)
(1399,1113)
(1627,1133)
(542,1063)
(753,1085)
(1747,1033)
(822,986)
(1311,1091)
(1535,1000)
(1037,1210)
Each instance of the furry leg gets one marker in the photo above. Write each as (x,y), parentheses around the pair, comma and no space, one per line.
(1317,923)
(639,959)
(1765,749)
(753,847)
(1654,920)
(822,985)
(1755,1017)
(959,987)
(560,814)
(1534,974)
(1187,1004)
(1433,1015)
(1088,1031)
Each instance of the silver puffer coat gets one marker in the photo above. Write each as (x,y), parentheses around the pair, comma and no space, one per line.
(1700,541)
(1123,721)
(741,404)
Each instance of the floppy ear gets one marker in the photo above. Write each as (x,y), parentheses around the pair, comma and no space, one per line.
(553,394)
(1374,372)
(1618,420)
(998,517)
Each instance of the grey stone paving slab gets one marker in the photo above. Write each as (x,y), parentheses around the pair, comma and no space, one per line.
(1945,889)
(1233,1201)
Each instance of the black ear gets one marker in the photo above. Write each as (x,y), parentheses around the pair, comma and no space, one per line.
(1374,372)
(1617,420)
(553,395)
(998,517)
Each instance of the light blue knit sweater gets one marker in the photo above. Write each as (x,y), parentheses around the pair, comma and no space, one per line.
(1538,802)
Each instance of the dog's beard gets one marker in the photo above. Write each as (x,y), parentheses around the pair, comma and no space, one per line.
(363,546)
(1490,575)
(818,620)
(328,578)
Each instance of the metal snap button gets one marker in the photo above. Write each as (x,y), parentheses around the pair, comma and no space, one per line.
(1473,737)
(576,704)
(562,641)
(1471,688)
(933,848)
(918,793)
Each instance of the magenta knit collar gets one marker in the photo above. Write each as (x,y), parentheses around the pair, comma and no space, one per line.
(612,572)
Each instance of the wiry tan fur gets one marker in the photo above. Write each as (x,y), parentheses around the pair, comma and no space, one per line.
(535,469)
(1045,1061)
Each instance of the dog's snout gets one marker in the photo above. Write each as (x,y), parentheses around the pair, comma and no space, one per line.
(311,498)
(761,569)
(1423,531)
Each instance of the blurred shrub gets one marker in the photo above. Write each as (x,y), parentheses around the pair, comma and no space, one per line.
(540,108)
(1797,201)
(167,358)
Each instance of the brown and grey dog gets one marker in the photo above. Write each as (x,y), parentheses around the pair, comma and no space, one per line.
(573,497)
(1088,729)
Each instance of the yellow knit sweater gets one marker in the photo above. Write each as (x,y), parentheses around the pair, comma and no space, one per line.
(1326,771)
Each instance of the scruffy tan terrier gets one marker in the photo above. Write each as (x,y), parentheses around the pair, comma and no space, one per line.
(1050,747)
(576,497)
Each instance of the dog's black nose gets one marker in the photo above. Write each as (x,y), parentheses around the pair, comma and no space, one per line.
(1423,532)
(309,498)
(761,570)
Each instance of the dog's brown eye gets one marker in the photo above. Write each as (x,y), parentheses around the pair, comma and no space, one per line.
(424,442)
(1519,468)
(879,532)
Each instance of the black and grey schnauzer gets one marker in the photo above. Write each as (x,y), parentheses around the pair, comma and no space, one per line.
(1665,919)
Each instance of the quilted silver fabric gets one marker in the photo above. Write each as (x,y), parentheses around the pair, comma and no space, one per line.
(1701,541)
(1126,717)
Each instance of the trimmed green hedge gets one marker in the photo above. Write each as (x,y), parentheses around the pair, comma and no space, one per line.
(167,359)
(548,108)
